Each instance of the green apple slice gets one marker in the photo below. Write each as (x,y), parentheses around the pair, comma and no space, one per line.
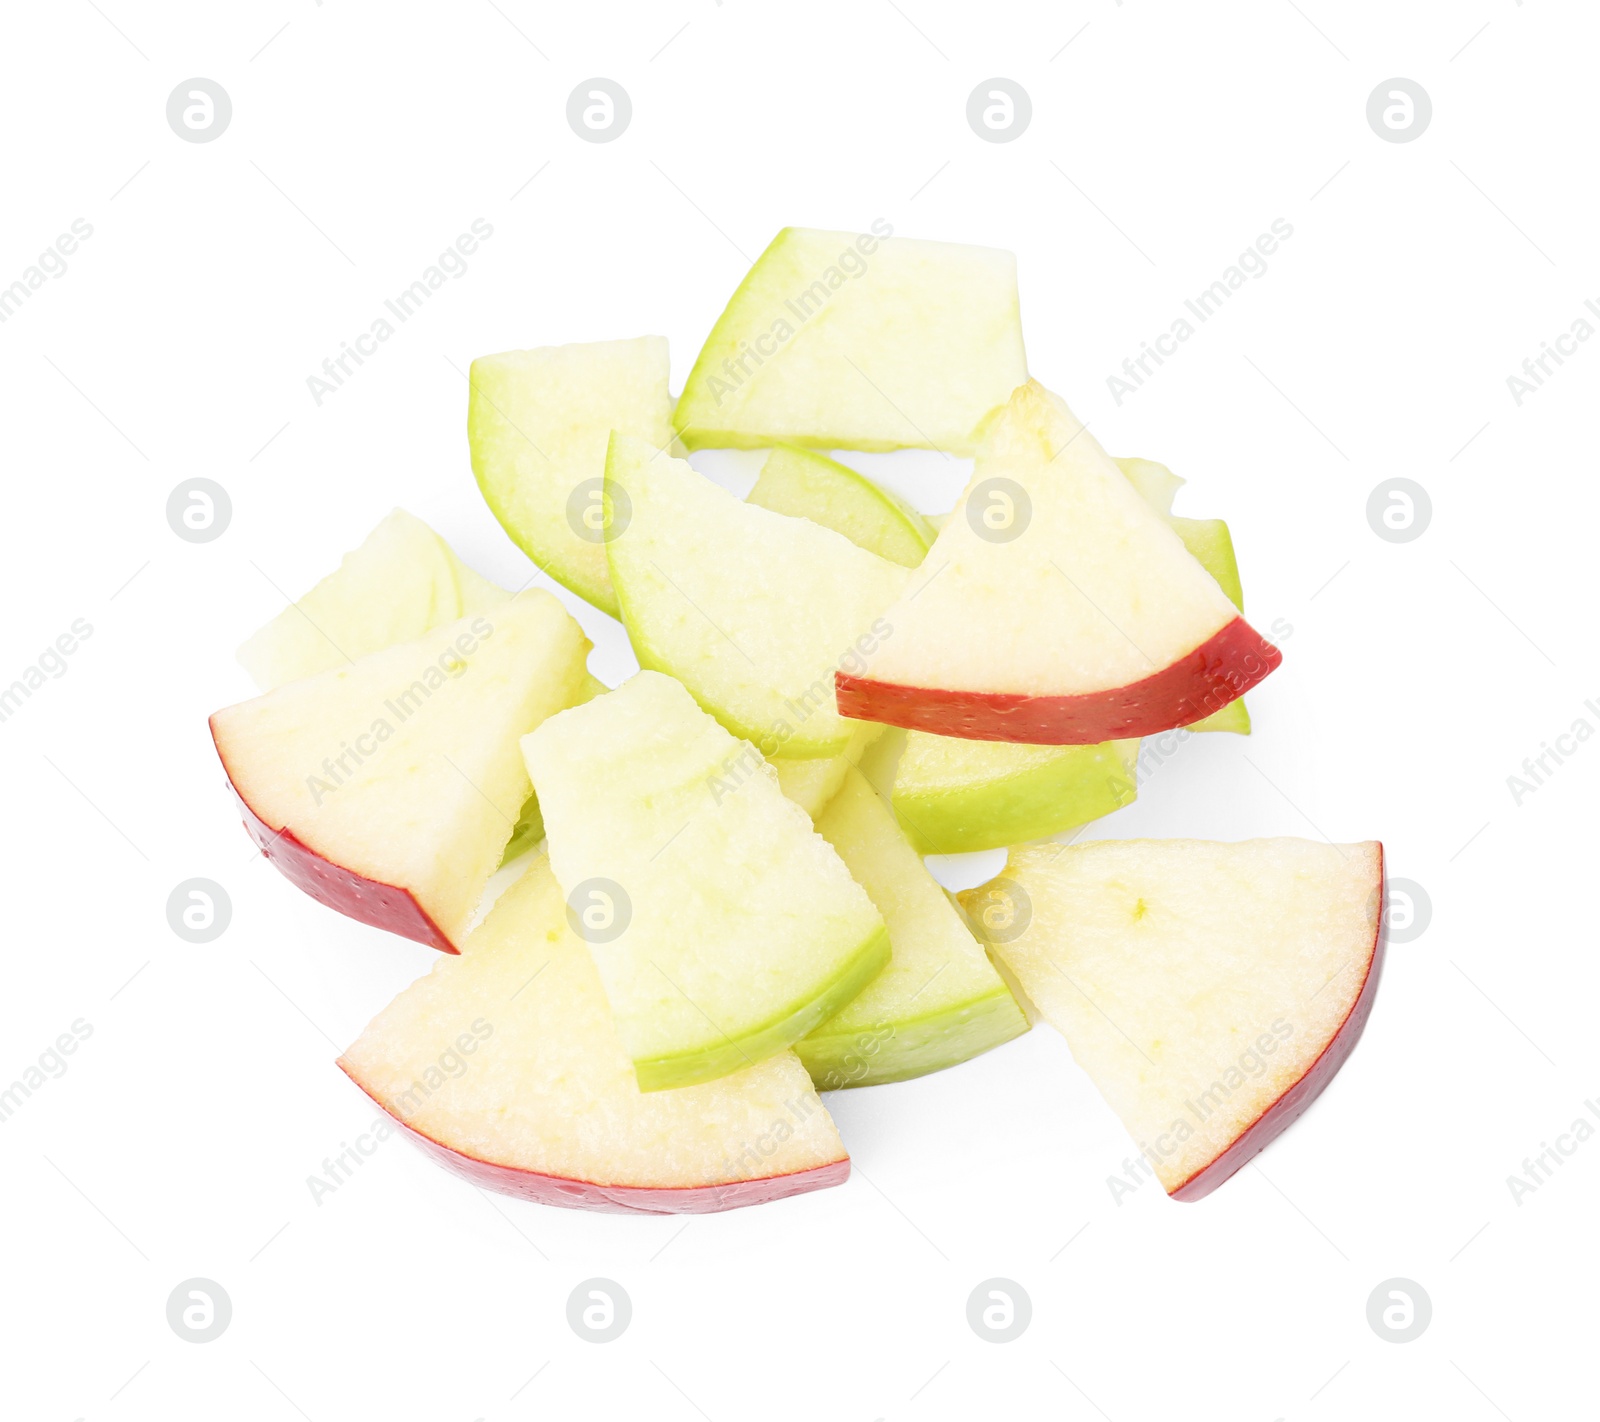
(538,422)
(401,582)
(803,484)
(753,611)
(954,796)
(724,927)
(940,1001)
(840,341)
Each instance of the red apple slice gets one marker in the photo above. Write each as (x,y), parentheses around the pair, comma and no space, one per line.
(1056,606)
(504,1062)
(387,789)
(1210,990)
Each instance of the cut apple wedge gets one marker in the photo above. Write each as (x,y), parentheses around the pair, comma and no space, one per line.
(538,422)
(955,796)
(504,1064)
(1211,991)
(842,341)
(388,788)
(751,610)
(803,484)
(724,927)
(402,581)
(1055,607)
(940,1001)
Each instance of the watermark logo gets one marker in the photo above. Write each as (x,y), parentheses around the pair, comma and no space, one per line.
(999,110)
(1399,110)
(1004,912)
(597,514)
(199,910)
(599,910)
(199,1310)
(199,510)
(1399,510)
(599,1310)
(999,1310)
(1399,1310)
(1407,910)
(599,110)
(999,510)
(199,110)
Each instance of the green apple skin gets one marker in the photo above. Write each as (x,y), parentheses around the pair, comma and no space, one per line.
(1005,794)
(804,484)
(707,1064)
(529,830)
(899,1051)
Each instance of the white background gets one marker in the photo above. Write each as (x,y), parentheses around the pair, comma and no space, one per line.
(1417,676)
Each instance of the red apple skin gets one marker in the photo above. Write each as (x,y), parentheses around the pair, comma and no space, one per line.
(1283,1112)
(1221,669)
(386,906)
(621,1199)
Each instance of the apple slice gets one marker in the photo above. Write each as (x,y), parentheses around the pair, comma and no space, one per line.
(724,927)
(940,1001)
(1056,607)
(402,581)
(955,796)
(803,484)
(839,341)
(751,610)
(387,789)
(504,1063)
(538,422)
(1210,990)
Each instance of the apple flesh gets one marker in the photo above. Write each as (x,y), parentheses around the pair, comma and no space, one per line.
(538,422)
(842,341)
(804,484)
(751,610)
(724,927)
(940,1001)
(811,784)
(505,1065)
(402,581)
(387,789)
(1080,619)
(1211,991)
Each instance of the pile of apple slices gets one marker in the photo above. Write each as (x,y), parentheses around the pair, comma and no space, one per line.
(717,900)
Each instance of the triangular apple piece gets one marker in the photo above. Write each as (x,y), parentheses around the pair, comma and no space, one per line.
(1211,991)
(751,610)
(505,1064)
(538,422)
(724,927)
(840,340)
(388,788)
(1056,606)
(400,582)
(940,1001)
